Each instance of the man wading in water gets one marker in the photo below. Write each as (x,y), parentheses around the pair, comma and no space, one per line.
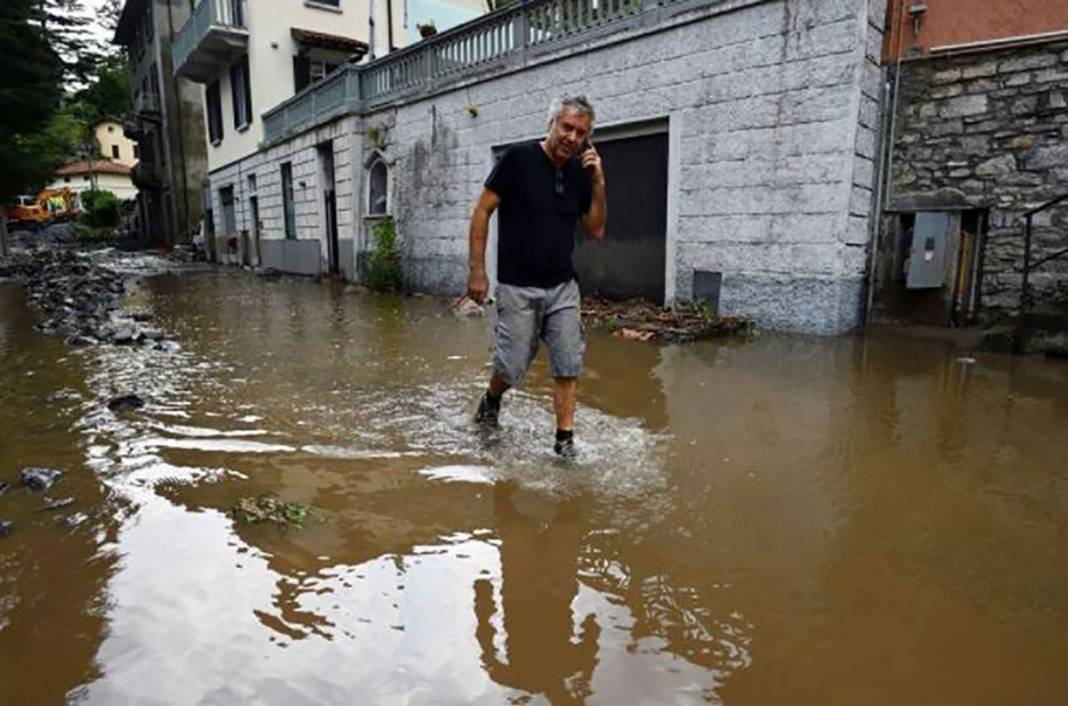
(542,189)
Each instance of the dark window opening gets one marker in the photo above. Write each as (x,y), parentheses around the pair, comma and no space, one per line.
(288,206)
(241,91)
(215,122)
(378,189)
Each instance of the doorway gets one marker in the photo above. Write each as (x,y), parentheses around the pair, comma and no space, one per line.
(630,261)
(325,153)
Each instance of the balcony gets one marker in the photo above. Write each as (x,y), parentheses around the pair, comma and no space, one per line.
(147,105)
(214,35)
(520,32)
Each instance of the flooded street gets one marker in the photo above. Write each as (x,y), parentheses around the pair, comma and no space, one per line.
(858,520)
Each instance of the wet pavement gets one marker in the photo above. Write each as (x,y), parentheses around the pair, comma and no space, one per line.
(859,520)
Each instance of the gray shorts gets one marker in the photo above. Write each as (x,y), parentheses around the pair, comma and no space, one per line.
(527,315)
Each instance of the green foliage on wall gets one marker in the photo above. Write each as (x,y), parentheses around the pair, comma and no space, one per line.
(383,272)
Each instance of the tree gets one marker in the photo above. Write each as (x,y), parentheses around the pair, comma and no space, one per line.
(29,85)
(109,94)
(66,25)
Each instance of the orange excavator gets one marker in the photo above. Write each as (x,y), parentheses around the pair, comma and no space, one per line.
(48,206)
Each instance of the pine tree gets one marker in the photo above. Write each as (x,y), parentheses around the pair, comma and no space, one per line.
(29,91)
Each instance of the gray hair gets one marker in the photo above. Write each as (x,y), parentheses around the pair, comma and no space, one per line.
(580,104)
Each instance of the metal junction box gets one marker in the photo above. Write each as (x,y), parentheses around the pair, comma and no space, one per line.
(927,258)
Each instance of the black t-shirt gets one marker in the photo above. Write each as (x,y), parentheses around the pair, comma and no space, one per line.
(540,205)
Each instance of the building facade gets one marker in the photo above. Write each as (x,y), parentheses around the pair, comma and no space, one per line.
(113,144)
(739,137)
(101,174)
(167,123)
(977,147)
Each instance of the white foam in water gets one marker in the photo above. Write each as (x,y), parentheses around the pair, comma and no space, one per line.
(616,455)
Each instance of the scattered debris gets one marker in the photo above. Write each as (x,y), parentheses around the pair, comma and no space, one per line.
(4,487)
(72,521)
(640,320)
(5,527)
(39,478)
(126,403)
(272,509)
(56,504)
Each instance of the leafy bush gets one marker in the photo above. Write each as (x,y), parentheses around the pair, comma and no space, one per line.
(383,273)
(102,209)
(91,234)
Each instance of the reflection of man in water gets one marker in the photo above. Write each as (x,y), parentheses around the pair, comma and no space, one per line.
(539,560)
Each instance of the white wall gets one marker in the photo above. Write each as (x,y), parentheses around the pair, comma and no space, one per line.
(271,50)
(118,184)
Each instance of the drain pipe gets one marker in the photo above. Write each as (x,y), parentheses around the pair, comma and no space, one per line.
(886,158)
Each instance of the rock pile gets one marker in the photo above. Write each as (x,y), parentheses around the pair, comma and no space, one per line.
(80,300)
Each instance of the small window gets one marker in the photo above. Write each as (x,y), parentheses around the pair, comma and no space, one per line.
(111,128)
(137,151)
(377,188)
(86,178)
(214,105)
(114,151)
(252,183)
(66,180)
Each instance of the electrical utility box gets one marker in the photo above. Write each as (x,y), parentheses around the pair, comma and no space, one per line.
(927,257)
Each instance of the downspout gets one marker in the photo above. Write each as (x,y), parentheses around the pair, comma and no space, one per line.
(180,115)
(389,19)
(886,155)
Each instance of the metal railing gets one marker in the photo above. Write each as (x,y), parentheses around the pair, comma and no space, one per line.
(499,38)
(228,14)
(1026,299)
(147,103)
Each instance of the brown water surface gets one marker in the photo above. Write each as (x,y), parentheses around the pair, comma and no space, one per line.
(857,520)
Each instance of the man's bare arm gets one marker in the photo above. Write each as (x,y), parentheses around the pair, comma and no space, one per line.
(477,282)
(597,217)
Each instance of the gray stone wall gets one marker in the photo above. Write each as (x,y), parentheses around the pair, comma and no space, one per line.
(990,130)
(772,108)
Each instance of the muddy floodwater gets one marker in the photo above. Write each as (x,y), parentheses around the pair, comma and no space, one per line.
(862,520)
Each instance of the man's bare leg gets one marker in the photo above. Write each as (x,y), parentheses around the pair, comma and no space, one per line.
(564,390)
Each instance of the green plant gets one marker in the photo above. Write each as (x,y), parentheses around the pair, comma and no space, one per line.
(90,234)
(383,271)
(102,209)
(379,136)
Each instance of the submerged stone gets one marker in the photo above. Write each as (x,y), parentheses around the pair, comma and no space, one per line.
(72,521)
(56,504)
(5,527)
(126,403)
(39,478)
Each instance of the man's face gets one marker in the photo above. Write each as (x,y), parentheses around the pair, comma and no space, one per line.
(567,134)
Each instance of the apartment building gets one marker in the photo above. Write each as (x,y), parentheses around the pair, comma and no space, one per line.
(251,55)
(975,196)
(167,123)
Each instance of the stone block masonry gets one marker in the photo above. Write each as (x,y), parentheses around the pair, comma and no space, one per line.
(989,130)
(771,107)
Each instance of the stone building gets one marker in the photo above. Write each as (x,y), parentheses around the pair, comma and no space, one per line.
(166,122)
(739,137)
(979,139)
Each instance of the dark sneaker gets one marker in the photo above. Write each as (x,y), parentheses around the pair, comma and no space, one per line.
(565,449)
(488,412)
